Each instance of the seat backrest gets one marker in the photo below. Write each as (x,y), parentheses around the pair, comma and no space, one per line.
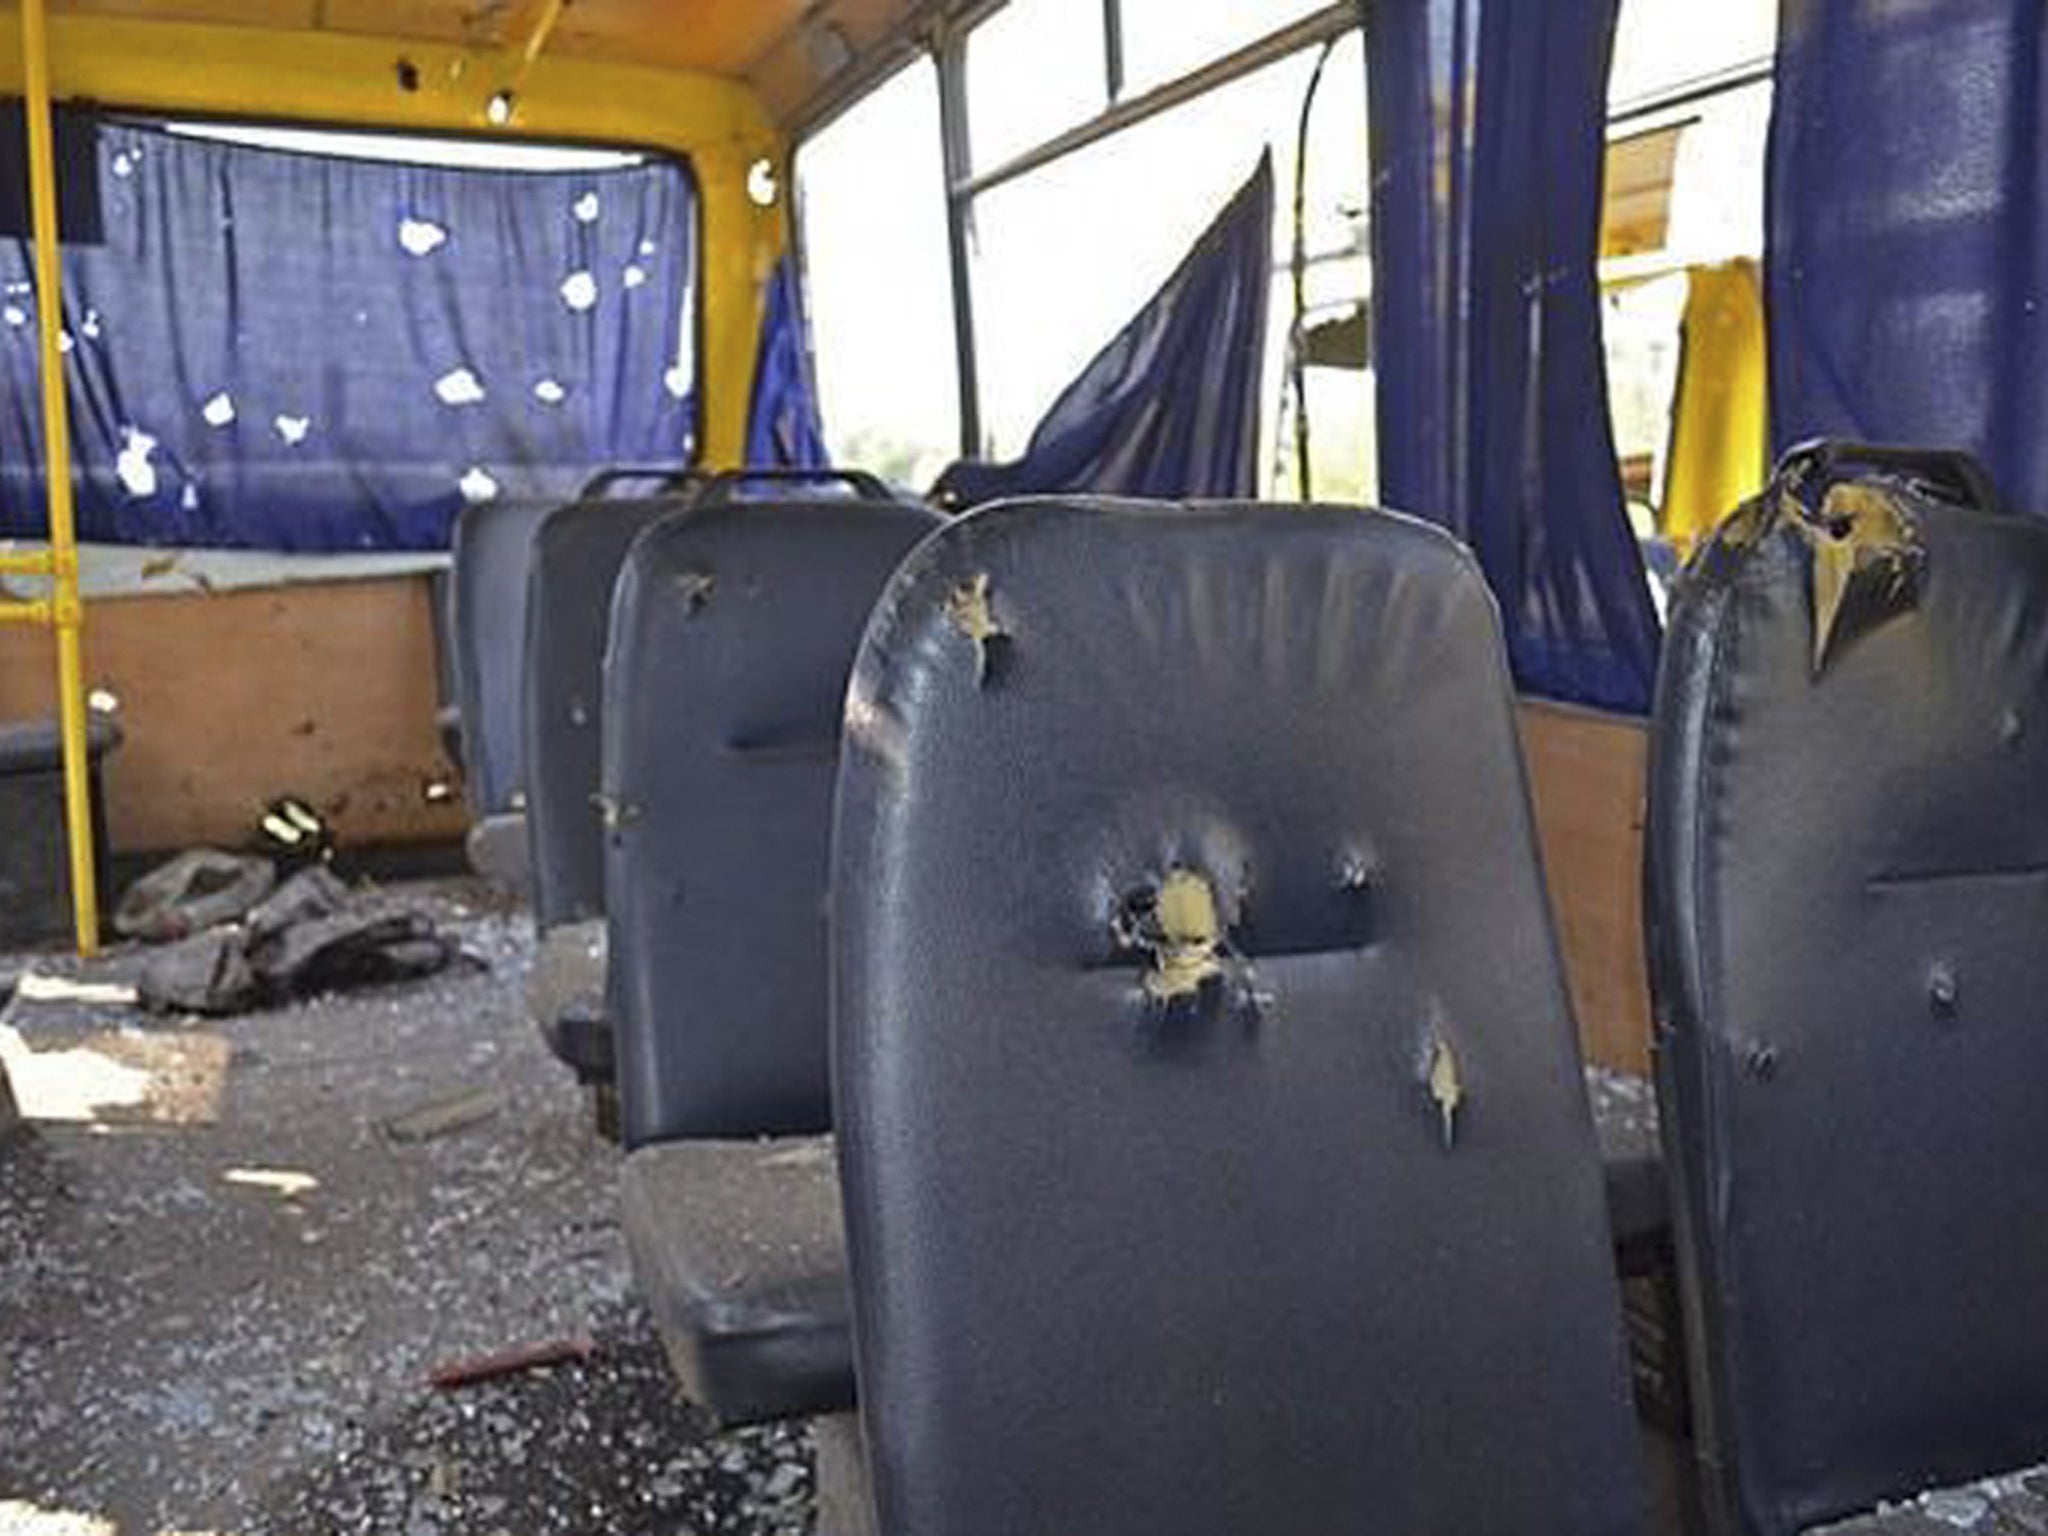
(487,629)
(1847,884)
(1215,1152)
(733,628)
(576,557)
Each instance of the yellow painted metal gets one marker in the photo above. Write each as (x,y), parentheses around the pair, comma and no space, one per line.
(352,80)
(1720,429)
(65,612)
(724,37)
(547,14)
(370,82)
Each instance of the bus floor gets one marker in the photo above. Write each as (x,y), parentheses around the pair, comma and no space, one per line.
(234,1252)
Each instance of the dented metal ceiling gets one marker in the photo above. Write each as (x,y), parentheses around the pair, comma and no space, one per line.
(795,53)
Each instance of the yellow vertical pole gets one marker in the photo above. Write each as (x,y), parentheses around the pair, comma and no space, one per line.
(67,614)
(1720,449)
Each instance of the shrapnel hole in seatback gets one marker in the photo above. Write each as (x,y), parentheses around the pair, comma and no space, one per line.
(1174,924)
(973,614)
(695,589)
(1446,1086)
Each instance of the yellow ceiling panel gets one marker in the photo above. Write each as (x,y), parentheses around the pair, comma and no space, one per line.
(790,51)
(286,14)
(720,36)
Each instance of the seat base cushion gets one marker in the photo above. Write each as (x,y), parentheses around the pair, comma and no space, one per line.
(739,1251)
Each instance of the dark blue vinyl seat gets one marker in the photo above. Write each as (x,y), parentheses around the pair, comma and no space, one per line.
(1215,1153)
(577,552)
(486,627)
(733,629)
(1847,887)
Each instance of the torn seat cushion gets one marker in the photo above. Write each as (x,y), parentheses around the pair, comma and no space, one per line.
(1216,1155)
(1848,876)
(739,1252)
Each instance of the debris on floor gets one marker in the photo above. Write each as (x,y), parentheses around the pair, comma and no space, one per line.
(33,986)
(194,891)
(228,1322)
(296,830)
(110,1074)
(510,1362)
(260,946)
(444,1115)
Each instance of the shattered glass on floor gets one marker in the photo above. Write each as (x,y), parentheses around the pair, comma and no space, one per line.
(225,1280)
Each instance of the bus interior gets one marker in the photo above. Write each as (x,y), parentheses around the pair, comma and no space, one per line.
(1064,767)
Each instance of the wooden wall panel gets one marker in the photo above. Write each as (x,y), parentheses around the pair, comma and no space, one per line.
(1586,775)
(328,692)
(231,699)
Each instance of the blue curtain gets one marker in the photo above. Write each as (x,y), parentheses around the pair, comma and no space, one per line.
(1487,138)
(287,351)
(1171,406)
(782,418)
(1907,278)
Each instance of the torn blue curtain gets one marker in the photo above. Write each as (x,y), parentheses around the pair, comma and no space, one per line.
(288,351)
(782,418)
(1488,129)
(1170,407)
(1907,271)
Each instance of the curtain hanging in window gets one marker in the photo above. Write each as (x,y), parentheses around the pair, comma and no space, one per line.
(1170,407)
(1487,137)
(277,350)
(782,417)
(1907,269)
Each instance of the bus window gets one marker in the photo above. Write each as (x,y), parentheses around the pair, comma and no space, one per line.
(1690,109)
(1033,68)
(1163,39)
(871,194)
(1640,331)
(1065,255)
(1664,45)
(1338,376)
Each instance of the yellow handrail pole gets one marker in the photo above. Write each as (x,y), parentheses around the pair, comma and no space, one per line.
(66,613)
